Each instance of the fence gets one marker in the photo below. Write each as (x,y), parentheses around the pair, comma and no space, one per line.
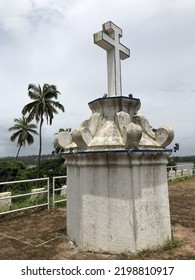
(59,193)
(179,171)
(35,195)
(62,190)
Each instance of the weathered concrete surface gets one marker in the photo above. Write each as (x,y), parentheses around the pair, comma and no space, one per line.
(115,124)
(117,202)
(63,191)
(5,203)
(35,193)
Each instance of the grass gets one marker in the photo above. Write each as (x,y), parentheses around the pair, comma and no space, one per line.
(23,202)
(58,197)
(181,179)
(147,254)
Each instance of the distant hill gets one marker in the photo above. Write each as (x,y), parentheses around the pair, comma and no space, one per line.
(30,160)
(33,159)
(184,159)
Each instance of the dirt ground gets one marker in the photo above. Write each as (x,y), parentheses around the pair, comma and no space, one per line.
(41,235)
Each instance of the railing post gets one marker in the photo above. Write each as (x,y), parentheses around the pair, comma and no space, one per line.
(48,196)
(53,196)
(57,189)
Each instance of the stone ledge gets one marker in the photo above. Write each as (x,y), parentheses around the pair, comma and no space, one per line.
(5,203)
(36,193)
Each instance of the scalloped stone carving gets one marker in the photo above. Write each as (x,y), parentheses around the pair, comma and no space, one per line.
(115,124)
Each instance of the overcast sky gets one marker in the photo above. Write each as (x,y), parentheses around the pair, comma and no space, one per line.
(51,41)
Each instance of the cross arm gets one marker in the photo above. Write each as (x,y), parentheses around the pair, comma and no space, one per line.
(102,40)
(124,52)
(106,42)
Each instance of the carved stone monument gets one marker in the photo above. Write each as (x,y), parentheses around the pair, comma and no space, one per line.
(117,194)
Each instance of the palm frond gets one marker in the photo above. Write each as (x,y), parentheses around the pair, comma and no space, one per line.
(32,109)
(15,127)
(15,136)
(29,139)
(57,105)
(34,91)
(32,126)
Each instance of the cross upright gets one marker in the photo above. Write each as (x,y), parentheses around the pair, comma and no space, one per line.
(109,39)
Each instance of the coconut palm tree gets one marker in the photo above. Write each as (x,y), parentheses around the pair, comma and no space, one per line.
(42,106)
(24,130)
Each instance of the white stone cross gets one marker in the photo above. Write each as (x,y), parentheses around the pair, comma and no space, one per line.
(109,39)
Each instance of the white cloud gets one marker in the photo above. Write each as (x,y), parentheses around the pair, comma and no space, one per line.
(52,41)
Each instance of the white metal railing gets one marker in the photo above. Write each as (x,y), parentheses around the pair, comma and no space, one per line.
(54,201)
(26,194)
(179,171)
(173,172)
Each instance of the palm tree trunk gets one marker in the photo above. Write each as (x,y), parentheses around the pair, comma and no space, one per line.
(40,147)
(18,152)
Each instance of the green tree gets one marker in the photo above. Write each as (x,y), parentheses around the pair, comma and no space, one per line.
(24,130)
(53,167)
(42,106)
(10,170)
(171,164)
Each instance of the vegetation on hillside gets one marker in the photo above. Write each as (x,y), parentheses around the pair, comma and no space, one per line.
(183,158)
(12,170)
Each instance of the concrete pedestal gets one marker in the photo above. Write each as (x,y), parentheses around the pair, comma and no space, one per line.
(117,201)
